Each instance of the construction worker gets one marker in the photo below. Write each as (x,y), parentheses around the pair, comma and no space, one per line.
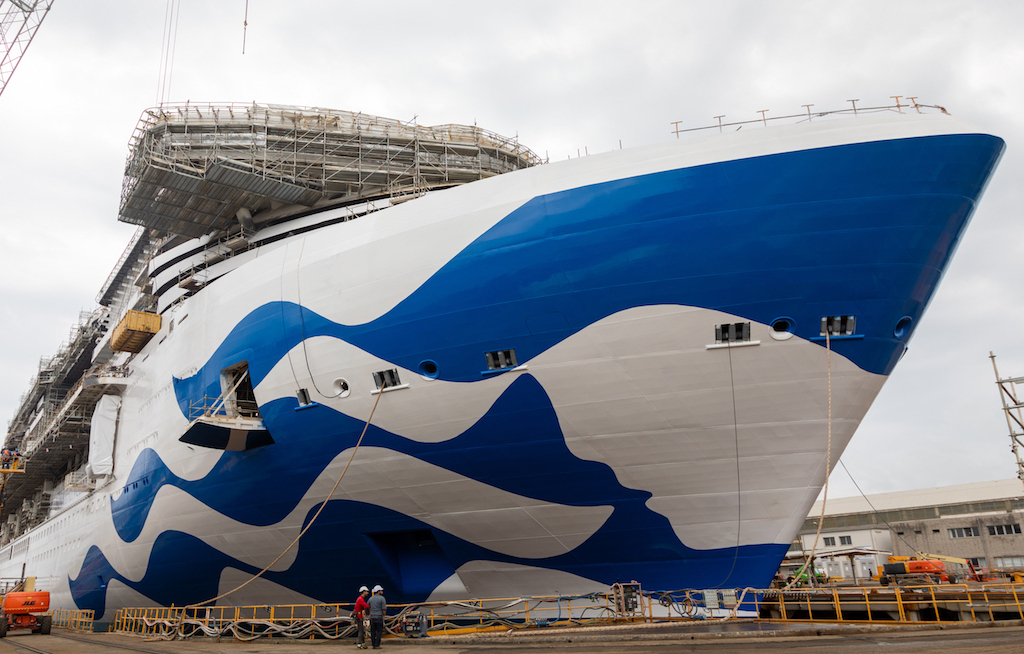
(378,607)
(358,613)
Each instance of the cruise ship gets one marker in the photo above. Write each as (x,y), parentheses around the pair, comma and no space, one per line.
(460,371)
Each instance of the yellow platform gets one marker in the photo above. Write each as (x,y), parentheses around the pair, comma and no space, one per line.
(134,331)
(15,466)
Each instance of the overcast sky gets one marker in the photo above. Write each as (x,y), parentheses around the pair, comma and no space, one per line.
(564,77)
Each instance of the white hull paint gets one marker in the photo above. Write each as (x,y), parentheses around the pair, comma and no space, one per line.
(725,444)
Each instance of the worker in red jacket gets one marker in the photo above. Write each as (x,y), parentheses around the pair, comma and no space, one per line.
(358,613)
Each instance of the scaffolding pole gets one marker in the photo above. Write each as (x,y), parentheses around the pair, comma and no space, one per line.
(1012,408)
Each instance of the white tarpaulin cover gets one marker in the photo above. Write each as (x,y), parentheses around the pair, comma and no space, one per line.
(101,436)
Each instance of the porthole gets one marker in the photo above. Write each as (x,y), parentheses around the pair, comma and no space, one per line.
(903,327)
(782,328)
(428,369)
(341,388)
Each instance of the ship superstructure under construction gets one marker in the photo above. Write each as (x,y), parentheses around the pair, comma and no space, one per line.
(616,367)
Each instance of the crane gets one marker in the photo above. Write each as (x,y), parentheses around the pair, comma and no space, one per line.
(1012,407)
(19,22)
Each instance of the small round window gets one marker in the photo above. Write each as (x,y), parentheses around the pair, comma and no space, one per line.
(782,328)
(903,327)
(428,369)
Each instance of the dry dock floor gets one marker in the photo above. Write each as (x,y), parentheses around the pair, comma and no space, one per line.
(747,638)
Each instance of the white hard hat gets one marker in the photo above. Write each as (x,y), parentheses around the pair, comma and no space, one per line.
(378,588)
(364,589)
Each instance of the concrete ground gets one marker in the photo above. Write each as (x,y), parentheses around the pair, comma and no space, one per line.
(746,638)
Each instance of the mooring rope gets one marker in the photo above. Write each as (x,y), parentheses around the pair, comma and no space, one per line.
(312,520)
(828,463)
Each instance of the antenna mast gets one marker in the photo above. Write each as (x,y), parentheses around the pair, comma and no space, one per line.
(1012,407)
(19,21)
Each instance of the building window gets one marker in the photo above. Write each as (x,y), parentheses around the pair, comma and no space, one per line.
(1008,562)
(501,359)
(845,540)
(978,562)
(935,531)
(732,332)
(830,541)
(964,532)
(1003,530)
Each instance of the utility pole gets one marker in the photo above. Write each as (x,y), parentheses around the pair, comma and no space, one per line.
(1012,408)
(19,21)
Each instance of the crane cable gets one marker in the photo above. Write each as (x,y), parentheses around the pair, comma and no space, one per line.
(167,48)
(185,609)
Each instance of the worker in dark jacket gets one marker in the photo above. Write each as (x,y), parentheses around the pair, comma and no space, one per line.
(358,613)
(378,607)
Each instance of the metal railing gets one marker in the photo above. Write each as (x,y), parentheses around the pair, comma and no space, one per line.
(899,604)
(333,621)
(809,115)
(73,619)
(948,603)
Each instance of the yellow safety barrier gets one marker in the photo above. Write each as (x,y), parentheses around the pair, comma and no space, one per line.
(895,604)
(852,605)
(76,620)
(332,620)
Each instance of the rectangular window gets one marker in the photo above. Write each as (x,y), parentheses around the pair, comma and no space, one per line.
(387,378)
(838,325)
(978,563)
(1009,562)
(501,359)
(732,332)
(830,541)
(1003,530)
(964,532)
(846,540)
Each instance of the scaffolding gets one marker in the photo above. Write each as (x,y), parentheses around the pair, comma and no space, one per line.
(1012,408)
(51,425)
(194,169)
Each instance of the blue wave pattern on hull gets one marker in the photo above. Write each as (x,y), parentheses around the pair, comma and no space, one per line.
(862,229)
(527,456)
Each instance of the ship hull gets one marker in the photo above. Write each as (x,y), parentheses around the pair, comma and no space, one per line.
(564,411)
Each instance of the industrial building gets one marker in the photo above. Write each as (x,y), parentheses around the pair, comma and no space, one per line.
(980,522)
